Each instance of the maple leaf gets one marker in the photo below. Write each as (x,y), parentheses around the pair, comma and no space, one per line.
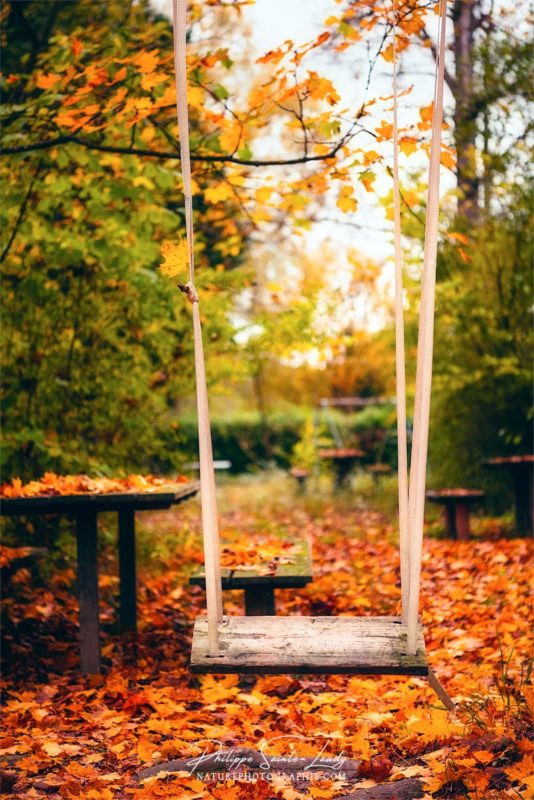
(46,80)
(523,769)
(427,112)
(146,61)
(448,159)
(273,56)
(346,201)
(370,157)
(176,258)
(52,749)
(408,145)
(263,194)
(152,79)
(120,75)
(368,179)
(219,193)
(384,131)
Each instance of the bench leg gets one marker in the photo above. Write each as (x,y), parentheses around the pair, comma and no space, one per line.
(523,489)
(301,485)
(259,602)
(127,570)
(462,522)
(449,521)
(87,541)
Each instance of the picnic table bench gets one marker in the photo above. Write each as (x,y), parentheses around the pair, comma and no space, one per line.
(456,504)
(259,588)
(301,475)
(343,460)
(379,470)
(521,470)
(84,508)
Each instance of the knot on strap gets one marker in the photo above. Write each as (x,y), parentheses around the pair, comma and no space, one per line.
(189,290)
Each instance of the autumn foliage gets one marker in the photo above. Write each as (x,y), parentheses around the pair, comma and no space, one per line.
(66,736)
(51,484)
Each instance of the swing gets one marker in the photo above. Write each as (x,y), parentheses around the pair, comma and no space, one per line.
(349,645)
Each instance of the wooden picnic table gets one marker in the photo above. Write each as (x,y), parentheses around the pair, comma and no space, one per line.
(343,460)
(456,507)
(259,587)
(84,508)
(521,468)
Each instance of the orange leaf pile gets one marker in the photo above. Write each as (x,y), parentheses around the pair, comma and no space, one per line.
(51,484)
(69,736)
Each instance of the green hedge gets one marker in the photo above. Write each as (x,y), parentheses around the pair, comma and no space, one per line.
(249,444)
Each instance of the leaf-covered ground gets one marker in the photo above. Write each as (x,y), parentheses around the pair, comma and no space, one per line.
(69,736)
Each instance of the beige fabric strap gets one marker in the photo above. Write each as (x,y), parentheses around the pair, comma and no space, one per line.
(210,527)
(423,382)
(402,444)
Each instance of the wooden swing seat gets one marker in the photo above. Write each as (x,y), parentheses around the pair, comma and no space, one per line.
(336,645)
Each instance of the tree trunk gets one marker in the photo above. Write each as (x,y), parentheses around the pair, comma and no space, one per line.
(257,382)
(465,113)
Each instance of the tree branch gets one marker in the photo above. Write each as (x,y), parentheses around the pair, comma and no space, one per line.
(48,144)
(21,213)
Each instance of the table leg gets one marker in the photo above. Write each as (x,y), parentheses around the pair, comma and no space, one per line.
(259,602)
(462,522)
(127,570)
(523,490)
(343,470)
(87,541)
(301,484)
(449,521)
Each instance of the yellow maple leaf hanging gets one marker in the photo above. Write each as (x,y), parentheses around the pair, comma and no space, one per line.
(346,201)
(176,258)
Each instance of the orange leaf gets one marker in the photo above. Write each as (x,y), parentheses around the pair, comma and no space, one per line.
(459,237)
(447,159)
(76,47)
(46,81)
(346,201)
(384,130)
(370,157)
(408,145)
(146,61)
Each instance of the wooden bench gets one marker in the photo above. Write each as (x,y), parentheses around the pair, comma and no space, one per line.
(456,507)
(378,471)
(220,465)
(259,589)
(301,476)
(343,460)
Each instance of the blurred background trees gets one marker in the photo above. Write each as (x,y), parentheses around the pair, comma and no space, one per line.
(97,350)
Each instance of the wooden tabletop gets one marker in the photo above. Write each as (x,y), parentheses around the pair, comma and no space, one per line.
(509,461)
(341,452)
(446,496)
(112,501)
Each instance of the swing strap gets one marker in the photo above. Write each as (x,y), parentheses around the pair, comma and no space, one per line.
(210,528)
(412,493)
(400,358)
